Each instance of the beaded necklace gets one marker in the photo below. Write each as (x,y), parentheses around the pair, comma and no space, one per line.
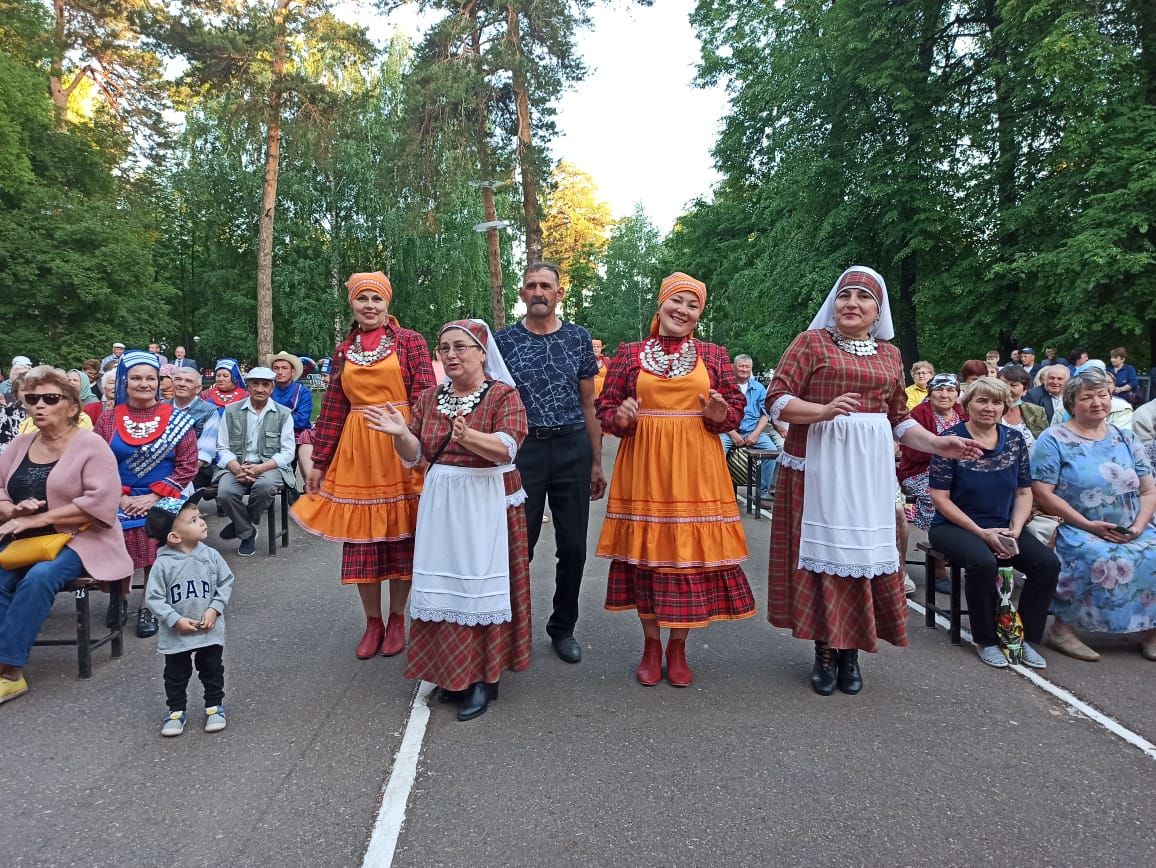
(668,365)
(364,358)
(452,406)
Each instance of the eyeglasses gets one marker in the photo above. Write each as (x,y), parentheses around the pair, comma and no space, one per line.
(456,349)
(51,399)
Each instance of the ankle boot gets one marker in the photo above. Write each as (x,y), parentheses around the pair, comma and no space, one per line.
(476,698)
(374,631)
(394,635)
(850,678)
(649,671)
(824,672)
(677,671)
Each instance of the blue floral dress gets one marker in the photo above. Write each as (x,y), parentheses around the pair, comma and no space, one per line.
(1104,587)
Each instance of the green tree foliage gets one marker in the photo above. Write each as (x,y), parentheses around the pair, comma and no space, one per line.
(626,295)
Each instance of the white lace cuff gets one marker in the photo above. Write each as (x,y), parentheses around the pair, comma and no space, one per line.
(777,407)
(902,428)
(510,444)
(786,459)
(517,498)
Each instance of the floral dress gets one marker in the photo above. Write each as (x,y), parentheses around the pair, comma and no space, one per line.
(1104,587)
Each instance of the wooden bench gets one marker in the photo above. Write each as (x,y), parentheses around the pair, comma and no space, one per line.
(955,612)
(84,642)
(282,498)
(755,459)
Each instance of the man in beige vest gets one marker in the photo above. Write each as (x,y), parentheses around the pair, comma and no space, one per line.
(255,447)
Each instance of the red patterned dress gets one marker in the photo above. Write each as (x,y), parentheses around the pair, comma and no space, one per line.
(452,655)
(847,613)
(368,500)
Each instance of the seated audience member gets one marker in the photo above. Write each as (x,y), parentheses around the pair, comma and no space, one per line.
(290,392)
(981,508)
(91,368)
(1022,416)
(166,380)
(12,412)
(752,430)
(1144,422)
(20,365)
(971,371)
(1050,395)
(1120,414)
(95,409)
(228,385)
(1127,384)
(1049,357)
(1097,478)
(1015,357)
(57,480)
(921,374)
(206,421)
(79,379)
(255,447)
(1076,357)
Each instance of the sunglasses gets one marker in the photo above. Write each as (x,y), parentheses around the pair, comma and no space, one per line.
(51,399)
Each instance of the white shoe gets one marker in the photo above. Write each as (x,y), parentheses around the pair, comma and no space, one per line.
(174,724)
(908,586)
(992,656)
(215,718)
(1033,659)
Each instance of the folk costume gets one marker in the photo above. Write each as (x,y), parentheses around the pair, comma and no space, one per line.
(220,399)
(913,463)
(470,602)
(155,449)
(834,572)
(296,397)
(672,532)
(368,500)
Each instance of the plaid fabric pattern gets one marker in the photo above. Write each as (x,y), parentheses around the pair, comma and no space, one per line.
(680,598)
(370,563)
(847,613)
(500,410)
(416,369)
(454,656)
(622,382)
(141,547)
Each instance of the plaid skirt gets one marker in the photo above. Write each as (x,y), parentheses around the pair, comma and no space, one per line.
(454,656)
(374,562)
(141,547)
(680,598)
(844,612)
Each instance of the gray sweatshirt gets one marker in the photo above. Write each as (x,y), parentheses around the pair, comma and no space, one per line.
(184,586)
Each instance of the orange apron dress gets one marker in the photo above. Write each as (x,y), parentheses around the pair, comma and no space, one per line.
(673,530)
(368,498)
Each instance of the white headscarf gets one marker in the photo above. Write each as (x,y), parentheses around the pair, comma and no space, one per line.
(883,328)
(494,365)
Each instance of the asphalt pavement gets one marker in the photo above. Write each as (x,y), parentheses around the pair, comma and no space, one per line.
(939,761)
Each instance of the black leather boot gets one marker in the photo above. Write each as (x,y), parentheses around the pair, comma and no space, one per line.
(146,623)
(476,698)
(850,678)
(824,672)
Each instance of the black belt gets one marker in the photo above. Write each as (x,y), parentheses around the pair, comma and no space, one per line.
(556,431)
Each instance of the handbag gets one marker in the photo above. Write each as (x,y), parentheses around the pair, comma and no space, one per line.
(1044,527)
(30,550)
(738,463)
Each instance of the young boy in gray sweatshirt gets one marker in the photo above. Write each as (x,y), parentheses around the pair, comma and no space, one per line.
(188,589)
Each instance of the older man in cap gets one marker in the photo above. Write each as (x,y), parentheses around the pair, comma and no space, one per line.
(20,365)
(289,392)
(113,357)
(1028,360)
(255,448)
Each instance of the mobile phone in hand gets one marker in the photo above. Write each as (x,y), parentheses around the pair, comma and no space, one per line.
(1126,531)
(1010,544)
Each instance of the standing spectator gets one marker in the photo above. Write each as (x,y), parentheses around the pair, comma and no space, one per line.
(971,371)
(1127,384)
(603,367)
(1144,422)
(1016,357)
(1027,418)
(206,420)
(290,392)
(751,430)
(166,378)
(992,362)
(181,360)
(1049,357)
(1028,361)
(91,368)
(255,449)
(921,374)
(155,349)
(113,357)
(1078,356)
(20,365)
(554,367)
(1050,394)
(83,388)
(12,412)
(228,385)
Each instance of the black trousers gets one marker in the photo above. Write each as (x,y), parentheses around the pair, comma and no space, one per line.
(558,468)
(1035,560)
(210,669)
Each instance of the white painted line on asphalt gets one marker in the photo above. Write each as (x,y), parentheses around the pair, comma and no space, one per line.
(387,826)
(1073,702)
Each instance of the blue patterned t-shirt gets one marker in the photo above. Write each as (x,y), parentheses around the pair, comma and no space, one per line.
(547,369)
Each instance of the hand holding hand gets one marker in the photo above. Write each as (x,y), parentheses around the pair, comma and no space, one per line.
(844,405)
(186,626)
(994,537)
(139,504)
(714,407)
(627,412)
(387,419)
(28,506)
(208,619)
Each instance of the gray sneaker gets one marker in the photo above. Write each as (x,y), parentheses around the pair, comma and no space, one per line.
(1033,659)
(174,724)
(992,656)
(214,718)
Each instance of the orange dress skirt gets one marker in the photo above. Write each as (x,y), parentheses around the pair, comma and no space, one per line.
(368,498)
(673,531)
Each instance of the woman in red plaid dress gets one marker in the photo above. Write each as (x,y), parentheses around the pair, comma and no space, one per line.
(834,566)
(673,532)
(471,581)
(358,492)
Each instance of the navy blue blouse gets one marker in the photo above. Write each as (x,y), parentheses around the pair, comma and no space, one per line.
(984,489)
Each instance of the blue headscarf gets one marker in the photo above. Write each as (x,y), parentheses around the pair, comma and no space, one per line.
(324,365)
(130,359)
(234,370)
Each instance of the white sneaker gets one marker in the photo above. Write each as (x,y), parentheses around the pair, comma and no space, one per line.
(214,718)
(1033,659)
(174,724)
(908,586)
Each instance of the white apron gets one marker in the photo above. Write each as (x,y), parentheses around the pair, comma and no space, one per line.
(849,498)
(461,550)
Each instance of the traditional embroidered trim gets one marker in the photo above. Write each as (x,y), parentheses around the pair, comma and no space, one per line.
(868,347)
(466,620)
(673,564)
(224,399)
(786,459)
(510,444)
(849,571)
(361,408)
(647,519)
(364,358)
(777,407)
(902,428)
(342,539)
(377,501)
(668,365)
(517,498)
(670,412)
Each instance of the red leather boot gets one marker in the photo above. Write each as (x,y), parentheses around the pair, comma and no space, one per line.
(374,631)
(677,671)
(649,671)
(394,636)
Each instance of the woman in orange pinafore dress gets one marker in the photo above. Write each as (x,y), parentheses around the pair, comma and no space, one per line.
(359,493)
(673,531)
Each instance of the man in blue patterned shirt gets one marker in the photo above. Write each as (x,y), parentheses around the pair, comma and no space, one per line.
(553,365)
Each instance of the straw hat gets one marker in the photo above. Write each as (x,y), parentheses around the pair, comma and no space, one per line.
(298,368)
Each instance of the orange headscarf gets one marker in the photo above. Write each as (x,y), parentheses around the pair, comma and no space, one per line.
(374,280)
(677,282)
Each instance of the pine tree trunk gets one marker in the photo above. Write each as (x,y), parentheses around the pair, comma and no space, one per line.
(56,71)
(525,141)
(493,245)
